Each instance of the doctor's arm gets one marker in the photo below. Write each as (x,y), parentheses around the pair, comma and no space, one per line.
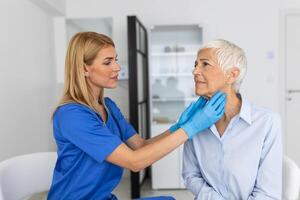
(269,178)
(192,177)
(136,141)
(143,157)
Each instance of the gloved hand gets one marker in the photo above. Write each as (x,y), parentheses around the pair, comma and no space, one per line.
(207,116)
(188,112)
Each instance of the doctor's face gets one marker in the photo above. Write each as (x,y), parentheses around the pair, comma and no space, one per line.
(104,71)
(208,75)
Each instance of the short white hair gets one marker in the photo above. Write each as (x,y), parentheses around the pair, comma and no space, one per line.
(229,55)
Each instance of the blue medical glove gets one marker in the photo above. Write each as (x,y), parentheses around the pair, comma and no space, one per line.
(207,116)
(187,113)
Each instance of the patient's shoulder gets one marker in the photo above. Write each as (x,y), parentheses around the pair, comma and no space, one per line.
(264,114)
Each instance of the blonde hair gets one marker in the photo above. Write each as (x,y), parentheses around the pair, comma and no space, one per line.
(82,50)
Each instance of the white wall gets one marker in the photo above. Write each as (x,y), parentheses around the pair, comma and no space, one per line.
(253,25)
(27,77)
(54,7)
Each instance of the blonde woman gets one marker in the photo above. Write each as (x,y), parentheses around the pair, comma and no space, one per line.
(93,139)
(240,156)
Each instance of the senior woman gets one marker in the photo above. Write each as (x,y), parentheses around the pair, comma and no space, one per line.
(240,156)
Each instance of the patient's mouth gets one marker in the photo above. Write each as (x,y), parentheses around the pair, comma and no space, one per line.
(200,82)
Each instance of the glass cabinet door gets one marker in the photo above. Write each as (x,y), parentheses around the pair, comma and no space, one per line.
(173,54)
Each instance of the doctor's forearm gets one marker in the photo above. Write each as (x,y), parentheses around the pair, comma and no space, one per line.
(156,138)
(148,154)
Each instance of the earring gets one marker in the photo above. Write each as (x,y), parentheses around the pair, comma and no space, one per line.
(86,74)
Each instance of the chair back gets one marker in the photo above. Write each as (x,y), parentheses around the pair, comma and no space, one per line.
(25,175)
(290,179)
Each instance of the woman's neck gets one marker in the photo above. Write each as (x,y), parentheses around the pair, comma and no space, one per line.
(98,104)
(232,108)
(96,92)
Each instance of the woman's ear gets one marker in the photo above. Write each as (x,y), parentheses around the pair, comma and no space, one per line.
(86,70)
(232,74)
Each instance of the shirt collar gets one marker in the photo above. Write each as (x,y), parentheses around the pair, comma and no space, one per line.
(245,112)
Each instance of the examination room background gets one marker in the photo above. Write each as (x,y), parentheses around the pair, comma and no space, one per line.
(32,51)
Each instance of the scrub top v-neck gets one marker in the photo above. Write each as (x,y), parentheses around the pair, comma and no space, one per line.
(84,141)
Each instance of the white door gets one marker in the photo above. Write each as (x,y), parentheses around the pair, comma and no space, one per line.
(292,78)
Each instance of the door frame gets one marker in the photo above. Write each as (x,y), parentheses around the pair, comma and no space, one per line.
(283,13)
(133,92)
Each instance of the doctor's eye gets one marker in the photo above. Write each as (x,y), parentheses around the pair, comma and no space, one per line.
(107,63)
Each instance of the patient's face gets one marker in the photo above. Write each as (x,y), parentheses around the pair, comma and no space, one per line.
(208,75)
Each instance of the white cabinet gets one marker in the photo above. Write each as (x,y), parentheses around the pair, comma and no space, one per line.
(162,170)
(173,51)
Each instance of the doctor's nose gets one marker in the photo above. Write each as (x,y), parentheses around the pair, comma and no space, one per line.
(117,67)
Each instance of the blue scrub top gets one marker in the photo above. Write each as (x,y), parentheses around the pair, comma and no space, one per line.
(84,141)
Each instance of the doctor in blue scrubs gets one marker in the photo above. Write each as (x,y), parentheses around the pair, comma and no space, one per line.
(94,141)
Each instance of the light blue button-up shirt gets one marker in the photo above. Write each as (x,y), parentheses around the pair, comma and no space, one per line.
(244,164)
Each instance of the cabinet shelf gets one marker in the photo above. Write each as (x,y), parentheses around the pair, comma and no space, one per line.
(172,74)
(163,54)
(174,99)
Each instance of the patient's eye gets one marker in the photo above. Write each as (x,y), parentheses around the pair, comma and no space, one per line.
(205,64)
